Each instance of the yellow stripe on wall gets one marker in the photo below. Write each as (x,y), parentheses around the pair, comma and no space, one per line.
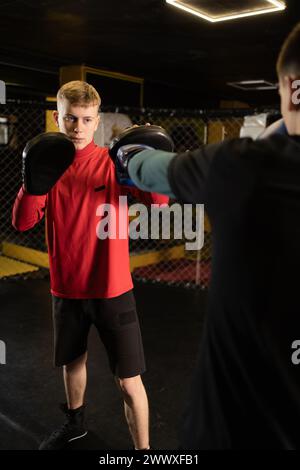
(11,267)
(155,257)
(39,258)
(29,255)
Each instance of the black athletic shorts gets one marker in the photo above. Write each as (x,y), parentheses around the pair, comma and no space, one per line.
(117,324)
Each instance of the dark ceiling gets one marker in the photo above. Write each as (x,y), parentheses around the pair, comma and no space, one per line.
(185,61)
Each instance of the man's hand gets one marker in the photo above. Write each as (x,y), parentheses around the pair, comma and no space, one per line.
(124,154)
(134,140)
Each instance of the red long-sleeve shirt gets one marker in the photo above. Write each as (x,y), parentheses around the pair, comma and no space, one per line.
(81,264)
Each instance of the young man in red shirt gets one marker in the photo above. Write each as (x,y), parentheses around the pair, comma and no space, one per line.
(90,277)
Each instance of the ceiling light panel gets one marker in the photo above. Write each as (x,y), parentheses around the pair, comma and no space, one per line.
(225,10)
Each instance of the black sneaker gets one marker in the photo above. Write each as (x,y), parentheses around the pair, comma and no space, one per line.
(73,428)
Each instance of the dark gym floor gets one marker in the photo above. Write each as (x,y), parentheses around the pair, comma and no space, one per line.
(31,388)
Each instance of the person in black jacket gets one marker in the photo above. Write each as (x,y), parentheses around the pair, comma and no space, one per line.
(246,387)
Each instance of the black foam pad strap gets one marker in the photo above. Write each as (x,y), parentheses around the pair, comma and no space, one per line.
(152,136)
(45,158)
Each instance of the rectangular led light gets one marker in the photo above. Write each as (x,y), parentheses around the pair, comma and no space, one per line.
(248,85)
(202,9)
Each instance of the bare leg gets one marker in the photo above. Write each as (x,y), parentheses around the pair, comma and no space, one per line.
(75,381)
(136,410)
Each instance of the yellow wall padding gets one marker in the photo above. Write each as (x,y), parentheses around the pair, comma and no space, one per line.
(11,267)
(28,255)
(155,257)
(50,123)
(38,258)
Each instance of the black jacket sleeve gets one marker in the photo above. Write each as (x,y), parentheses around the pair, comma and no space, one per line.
(210,170)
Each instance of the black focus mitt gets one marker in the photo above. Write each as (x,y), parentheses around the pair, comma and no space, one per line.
(45,158)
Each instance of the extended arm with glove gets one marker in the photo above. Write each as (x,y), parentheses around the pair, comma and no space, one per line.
(135,140)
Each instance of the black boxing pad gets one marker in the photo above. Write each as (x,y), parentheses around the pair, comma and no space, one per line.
(151,136)
(45,158)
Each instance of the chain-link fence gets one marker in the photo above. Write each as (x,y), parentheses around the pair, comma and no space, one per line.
(155,259)
(19,123)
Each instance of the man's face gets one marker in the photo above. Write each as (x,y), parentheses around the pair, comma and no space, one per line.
(77,122)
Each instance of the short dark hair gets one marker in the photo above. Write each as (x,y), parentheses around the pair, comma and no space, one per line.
(288,62)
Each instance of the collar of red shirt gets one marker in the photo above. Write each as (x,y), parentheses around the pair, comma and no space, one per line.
(86,151)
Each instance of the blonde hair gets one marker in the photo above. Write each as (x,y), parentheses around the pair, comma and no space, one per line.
(79,92)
